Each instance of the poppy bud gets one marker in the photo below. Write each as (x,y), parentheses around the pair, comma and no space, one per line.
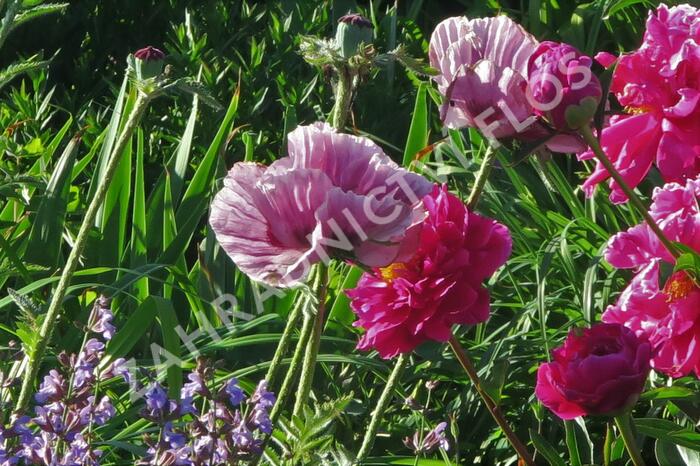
(353,30)
(148,62)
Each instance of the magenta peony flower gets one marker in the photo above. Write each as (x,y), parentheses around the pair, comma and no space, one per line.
(335,195)
(599,370)
(669,314)
(659,84)
(564,90)
(407,303)
(483,76)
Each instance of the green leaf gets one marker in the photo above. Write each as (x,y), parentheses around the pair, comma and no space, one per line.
(171,342)
(688,261)
(340,311)
(44,243)
(418,132)
(669,393)
(14,70)
(37,12)
(179,162)
(546,449)
(131,332)
(667,430)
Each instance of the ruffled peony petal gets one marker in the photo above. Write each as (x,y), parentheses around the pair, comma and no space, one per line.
(599,370)
(657,82)
(407,303)
(668,315)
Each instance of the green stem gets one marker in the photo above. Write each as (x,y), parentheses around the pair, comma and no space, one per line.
(481,177)
(290,378)
(494,410)
(54,309)
(608,445)
(343,97)
(592,141)
(309,364)
(285,340)
(625,424)
(382,405)
(572,444)
(8,20)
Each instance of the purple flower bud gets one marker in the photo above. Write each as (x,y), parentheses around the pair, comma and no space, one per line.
(353,30)
(102,411)
(173,439)
(356,20)
(119,368)
(148,63)
(261,419)
(101,319)
(261,397)
(561,86)
(234,392)
(195,386)
(53,388)
(149,53)
(156,399)
(433,439)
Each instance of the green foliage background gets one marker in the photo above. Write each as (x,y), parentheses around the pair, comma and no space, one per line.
(152,250)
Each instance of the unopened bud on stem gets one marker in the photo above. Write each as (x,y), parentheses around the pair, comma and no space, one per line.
(148,62)
(353,30)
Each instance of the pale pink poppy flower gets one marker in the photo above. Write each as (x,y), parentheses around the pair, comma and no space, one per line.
(333,196)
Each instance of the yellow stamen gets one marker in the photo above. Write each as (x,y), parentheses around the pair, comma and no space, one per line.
(678,287)
(637,110)
(392,271)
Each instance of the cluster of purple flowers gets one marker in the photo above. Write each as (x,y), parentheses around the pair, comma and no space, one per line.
(227,428)
(60,433)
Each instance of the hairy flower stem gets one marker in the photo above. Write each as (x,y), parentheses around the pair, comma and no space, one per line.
(343,97)
(285,340)
(624,423)
(54,309)
(496,413)
(289,378)
(382,405)
(481,177)
(594,144)
(309,364)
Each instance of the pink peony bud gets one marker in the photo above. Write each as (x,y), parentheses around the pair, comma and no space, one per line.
(561,86)
(148,62)
(598,371)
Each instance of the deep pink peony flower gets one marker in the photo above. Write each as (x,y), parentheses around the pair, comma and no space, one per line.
(564,90)
(669,314)
(407,303)
(483,76)
(335,195)
(599,370)
(659,84)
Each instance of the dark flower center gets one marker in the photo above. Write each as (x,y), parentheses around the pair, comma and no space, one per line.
(605,348)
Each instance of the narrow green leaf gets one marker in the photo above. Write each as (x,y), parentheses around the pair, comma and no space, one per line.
(44,244)
(546,449)
(131,332)
(418,132)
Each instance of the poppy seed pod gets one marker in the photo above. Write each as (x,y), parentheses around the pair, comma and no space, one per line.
(353,30)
